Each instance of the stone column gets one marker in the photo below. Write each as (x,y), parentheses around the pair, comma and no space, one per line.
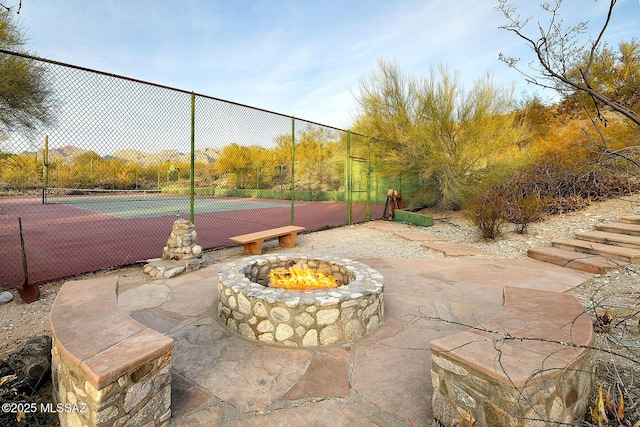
(182,243)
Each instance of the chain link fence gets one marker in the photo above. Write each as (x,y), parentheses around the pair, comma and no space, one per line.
(101,184)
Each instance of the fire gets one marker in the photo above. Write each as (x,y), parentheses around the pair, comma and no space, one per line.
(301,279)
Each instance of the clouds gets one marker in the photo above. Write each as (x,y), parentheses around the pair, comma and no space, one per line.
(297,58)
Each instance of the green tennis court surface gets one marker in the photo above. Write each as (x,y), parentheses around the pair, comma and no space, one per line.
(150,206)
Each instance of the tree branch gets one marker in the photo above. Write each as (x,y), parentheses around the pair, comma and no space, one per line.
(9,8)
(554,50)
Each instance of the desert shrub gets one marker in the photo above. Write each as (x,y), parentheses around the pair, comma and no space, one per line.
(486,212)
(566,187)
(524,210)
(544,188)
(558,204)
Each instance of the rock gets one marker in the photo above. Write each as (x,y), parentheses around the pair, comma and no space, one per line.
(5,297)
(173,272)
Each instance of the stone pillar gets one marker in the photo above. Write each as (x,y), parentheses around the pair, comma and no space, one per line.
(181,254)
(182,243)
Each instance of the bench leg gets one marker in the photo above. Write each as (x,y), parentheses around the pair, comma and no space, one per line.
(288,240)
(253,248)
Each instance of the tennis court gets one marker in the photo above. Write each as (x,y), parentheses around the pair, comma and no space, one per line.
(134,204)
(120,133)
(66,239)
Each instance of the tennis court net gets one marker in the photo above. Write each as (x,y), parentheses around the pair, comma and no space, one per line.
(92,195)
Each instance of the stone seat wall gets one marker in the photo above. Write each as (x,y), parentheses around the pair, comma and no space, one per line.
(107,368)
(513,370)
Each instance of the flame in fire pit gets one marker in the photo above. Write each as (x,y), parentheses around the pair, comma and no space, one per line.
(301,279)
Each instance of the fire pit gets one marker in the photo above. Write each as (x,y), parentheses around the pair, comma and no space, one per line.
(300,318)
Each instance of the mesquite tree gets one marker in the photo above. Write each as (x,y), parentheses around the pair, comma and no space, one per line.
(25,96)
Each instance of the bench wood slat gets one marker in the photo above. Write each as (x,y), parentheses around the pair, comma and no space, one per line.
(252,242)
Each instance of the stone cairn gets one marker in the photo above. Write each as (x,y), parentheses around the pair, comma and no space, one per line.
(181,254)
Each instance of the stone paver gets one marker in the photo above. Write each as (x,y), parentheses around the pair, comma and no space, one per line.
(317,414)
(186,396)
(456,249)
(419,237)
(326,376)
(382,379)
(388,226)
(209,415)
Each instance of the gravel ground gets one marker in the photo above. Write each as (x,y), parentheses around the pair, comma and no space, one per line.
(616,293)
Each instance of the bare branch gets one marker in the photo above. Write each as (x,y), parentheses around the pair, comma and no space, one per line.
(558,52)
(597,42)
(506,336)
(10,8)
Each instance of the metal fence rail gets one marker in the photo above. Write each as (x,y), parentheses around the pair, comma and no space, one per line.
(102,183)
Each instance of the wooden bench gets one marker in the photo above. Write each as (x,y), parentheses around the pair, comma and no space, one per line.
(252,242)
(529,362)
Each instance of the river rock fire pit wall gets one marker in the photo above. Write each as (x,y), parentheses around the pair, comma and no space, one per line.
(297,318)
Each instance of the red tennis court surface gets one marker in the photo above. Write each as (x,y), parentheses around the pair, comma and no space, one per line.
(63,241)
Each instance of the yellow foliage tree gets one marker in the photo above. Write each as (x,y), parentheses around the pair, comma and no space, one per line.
(451,137)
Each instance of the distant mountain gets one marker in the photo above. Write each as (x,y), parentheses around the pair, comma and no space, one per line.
(203,155)
(68,152)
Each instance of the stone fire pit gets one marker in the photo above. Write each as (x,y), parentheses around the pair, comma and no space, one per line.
(297,318)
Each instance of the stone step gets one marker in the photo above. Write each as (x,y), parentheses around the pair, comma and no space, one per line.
(620,228)
(575,260)
(630,219)
(623,240)
(627,255)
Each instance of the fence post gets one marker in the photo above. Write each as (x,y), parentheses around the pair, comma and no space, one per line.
(293,161)
(45,169)
(348,182)
(368,195)
(193,159)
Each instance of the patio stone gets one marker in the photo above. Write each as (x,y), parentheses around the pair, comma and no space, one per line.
(185,396)
(420,237)
(456,249)
(326,376)
(382,379)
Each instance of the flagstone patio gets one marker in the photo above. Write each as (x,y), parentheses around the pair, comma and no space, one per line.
(222,379)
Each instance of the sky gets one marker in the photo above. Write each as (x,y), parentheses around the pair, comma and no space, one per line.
(303,58)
